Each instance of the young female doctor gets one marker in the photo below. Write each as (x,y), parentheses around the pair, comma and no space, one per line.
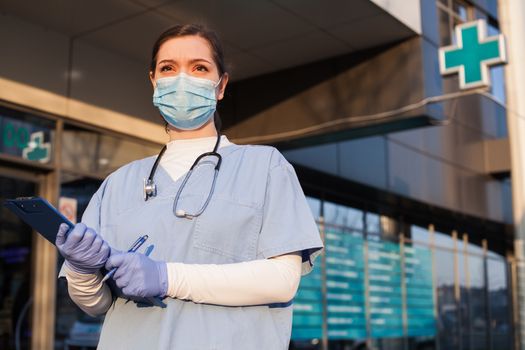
(227,240)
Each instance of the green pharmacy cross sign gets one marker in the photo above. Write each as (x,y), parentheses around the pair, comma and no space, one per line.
(37,149)
(472,55)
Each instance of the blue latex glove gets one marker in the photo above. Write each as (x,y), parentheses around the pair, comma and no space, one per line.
(139,276)
(84,250)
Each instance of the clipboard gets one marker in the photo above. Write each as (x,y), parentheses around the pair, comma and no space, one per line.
(39,214)
(46,219)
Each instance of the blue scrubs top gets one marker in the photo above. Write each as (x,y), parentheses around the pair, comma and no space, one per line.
(258,211)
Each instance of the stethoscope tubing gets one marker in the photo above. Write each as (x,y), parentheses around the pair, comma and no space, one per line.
(150,189)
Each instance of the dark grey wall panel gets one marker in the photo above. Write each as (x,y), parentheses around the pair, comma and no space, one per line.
(414,175)
(322,158)
(364,161)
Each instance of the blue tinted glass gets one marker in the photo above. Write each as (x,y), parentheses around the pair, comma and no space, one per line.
(340,215)
(315,206)
(497,74)
(443,240)
(420,234)
(499,300)
(373,223)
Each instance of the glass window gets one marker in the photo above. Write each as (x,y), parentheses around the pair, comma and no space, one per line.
(477,302)
(464,292)
(373,223)
(73,328)
(445,32)
(345,217)
(497,74)
(461,10)
(420,308)
(27,137)
(315,206)
(93,152)
(428,271)
(443,240)
(499,302)
(419,234)
(384,274)
(478,14)
(455,22)
(15,269)
(448,313)
(475,249)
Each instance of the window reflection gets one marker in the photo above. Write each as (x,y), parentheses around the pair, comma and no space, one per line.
(15,269)
(477,302)
(373,223)
(96,153)
(445,32)
(497,74)
(420,234)
(448,320)
(315,206)
(470,287)
(343,216)
(460,10)
(499,301)
(74,329)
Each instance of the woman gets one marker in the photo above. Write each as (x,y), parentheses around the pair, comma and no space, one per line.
(226,256)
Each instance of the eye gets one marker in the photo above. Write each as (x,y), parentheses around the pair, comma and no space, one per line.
(201,68)
(165,68)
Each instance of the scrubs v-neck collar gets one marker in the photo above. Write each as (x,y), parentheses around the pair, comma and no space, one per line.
(167,187)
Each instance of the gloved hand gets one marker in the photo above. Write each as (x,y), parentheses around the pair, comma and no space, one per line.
(139,276)
(84,250)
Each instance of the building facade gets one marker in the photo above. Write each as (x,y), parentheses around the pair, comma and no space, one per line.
(407,175)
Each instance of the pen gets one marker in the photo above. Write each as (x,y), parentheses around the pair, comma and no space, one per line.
(134,247)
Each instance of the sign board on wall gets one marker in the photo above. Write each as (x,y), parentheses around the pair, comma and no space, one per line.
(473,54)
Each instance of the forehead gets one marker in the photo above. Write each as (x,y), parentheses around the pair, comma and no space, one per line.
(185,47)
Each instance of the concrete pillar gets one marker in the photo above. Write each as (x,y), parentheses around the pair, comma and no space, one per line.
(512,23)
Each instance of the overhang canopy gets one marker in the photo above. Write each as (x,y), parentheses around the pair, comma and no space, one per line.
(259,36)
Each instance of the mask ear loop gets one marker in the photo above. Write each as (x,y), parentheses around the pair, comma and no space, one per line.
(218,82)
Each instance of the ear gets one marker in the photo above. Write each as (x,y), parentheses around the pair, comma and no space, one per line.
(222,86)
(152,79)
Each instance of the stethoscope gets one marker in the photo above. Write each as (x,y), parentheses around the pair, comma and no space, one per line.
(150,188)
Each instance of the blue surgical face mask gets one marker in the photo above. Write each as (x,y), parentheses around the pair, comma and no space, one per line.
(185,102)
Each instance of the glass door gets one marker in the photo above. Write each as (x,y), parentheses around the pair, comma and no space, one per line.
(15,264)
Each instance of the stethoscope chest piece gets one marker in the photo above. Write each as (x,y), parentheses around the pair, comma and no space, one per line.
(150,189)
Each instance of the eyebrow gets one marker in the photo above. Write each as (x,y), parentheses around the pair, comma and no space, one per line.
(193,60)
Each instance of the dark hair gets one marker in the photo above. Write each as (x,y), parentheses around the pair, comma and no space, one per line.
(198,30)
(190,29)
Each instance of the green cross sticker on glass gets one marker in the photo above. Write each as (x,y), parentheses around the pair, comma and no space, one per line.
(472,55)
(37,149)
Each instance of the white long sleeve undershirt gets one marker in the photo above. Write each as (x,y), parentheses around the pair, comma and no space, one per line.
(180,154)
(88,292)
(257,282)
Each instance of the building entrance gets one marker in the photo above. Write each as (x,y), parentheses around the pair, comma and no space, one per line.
(15,264)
